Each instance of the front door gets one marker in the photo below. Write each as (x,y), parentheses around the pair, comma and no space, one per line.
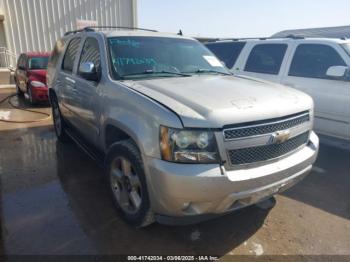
(307,73)
(87,92)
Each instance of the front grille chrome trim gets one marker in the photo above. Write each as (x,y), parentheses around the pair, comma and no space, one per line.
(305,116)
(254,163)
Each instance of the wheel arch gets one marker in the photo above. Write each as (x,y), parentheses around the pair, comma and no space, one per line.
(114,131)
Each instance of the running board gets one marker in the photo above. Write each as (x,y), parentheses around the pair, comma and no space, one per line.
(98,157)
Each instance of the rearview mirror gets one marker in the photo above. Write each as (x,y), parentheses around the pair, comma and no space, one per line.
(339,72)
(88,71)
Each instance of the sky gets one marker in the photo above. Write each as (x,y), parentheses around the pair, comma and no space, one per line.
(240,18)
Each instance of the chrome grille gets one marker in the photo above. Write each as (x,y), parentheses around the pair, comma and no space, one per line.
(266,127)
(266,152)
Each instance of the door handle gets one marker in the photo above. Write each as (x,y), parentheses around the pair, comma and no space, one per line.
(70,80)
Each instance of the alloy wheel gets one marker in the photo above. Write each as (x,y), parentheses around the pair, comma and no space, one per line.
(126,185)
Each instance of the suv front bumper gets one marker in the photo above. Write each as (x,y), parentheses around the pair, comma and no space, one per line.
(187,190)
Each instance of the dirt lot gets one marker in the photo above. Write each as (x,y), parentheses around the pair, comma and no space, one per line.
(54,201)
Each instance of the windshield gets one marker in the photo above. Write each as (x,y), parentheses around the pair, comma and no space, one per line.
(145,57)
(38,63)
(347,48)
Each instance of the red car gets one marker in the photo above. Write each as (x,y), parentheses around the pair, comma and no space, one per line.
(30,76)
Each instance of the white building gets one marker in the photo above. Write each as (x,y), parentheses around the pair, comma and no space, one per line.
(34,25)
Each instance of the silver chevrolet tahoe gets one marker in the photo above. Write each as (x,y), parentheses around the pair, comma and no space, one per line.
(181,139)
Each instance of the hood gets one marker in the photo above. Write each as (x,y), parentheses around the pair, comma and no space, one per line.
(215,101)
(38,75)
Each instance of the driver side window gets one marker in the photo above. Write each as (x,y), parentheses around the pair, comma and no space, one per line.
(313,61)
(91,53)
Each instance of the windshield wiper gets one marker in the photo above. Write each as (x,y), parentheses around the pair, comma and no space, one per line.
(151,72)
(203,71)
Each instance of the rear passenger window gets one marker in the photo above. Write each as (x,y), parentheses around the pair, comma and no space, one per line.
(227,52)
(91,53)
(69,56)
(266,58)
(313,60)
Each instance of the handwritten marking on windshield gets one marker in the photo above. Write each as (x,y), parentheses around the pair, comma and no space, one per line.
(122,61)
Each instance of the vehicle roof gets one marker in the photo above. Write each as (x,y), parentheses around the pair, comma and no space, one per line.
(116,33)
(37,54)
(287,39)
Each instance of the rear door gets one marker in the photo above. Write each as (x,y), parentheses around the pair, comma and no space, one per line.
(67,80)
(87,91)
(307,72)
(263,60)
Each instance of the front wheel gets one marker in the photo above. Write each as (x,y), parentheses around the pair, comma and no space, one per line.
(127,182)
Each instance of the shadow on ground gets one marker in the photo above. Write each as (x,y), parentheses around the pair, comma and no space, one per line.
(55,194)
(327,187)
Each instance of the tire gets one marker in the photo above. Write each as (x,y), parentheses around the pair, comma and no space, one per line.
(58,121)
(127,183)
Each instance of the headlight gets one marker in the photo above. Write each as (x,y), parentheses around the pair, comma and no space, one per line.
(37,84)
(188,146)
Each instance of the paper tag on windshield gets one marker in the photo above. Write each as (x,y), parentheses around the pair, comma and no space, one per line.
(213,61)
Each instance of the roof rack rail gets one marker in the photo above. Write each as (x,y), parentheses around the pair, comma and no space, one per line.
(92,29)
(119,27)
(237,39)
(78,31)
(291,36)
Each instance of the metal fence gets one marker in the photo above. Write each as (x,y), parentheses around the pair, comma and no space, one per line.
(8,59)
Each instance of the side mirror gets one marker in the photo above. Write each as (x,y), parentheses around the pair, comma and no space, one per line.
(338,72)
(88,71)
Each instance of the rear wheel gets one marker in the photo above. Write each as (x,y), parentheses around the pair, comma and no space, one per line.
(128,183)
(58,121)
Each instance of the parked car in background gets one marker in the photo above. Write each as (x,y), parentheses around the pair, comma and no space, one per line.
(30,76)
(316,66)
(180,137)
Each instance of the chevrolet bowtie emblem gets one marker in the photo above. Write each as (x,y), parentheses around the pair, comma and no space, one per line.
(279,137)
